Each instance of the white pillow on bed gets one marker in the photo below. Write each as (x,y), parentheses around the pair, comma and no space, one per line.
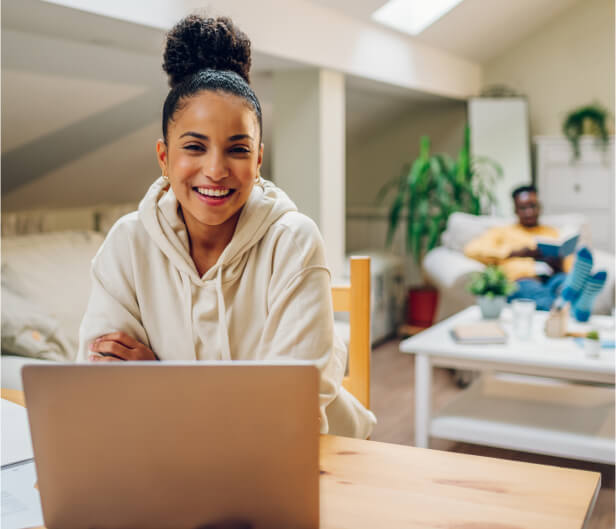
(45,290)
(28,331)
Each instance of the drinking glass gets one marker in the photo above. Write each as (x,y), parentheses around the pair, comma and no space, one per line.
(523,311)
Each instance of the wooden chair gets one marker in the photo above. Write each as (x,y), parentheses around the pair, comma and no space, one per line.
(354,298)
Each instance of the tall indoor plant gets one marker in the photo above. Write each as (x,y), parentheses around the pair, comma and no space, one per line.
(430,189)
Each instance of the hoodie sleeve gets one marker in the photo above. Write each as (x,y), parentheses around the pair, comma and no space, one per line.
(300,325)
(112,305)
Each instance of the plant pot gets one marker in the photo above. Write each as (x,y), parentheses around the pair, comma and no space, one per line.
(421,306)
(491,308)
(592,348)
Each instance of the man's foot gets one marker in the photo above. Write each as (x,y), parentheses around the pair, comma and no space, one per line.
(583,306)
(574,284)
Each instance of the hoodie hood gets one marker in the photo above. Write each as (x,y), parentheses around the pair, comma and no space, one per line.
(159,213)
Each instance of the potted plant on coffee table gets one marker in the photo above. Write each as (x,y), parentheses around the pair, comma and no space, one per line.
(492,288)
(424,195)
(592,345)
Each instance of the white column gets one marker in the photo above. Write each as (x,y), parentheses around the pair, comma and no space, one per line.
(308,151)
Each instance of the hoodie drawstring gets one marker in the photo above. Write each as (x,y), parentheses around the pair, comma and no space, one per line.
(222,319)
(188,300)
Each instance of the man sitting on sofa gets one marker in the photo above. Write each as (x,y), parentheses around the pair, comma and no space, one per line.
(514,249)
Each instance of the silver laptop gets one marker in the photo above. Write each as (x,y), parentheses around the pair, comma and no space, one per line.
(162,445)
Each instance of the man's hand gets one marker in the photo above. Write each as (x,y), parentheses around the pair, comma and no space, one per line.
(556,263)
(119,347)
(525,252)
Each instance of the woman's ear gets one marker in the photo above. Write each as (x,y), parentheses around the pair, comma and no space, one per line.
(260,158)
(161,156)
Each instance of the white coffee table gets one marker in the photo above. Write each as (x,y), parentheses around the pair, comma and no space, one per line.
(570,414)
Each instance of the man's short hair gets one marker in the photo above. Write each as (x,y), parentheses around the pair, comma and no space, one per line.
(523,189)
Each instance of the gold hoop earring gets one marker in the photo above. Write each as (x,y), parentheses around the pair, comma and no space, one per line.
(165,178)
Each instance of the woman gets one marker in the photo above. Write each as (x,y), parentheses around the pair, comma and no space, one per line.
(217,263)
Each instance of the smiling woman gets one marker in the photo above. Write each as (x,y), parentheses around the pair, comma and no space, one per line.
(217,263)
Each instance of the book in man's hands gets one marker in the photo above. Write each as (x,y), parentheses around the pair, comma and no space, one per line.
(561,247)
(485,332)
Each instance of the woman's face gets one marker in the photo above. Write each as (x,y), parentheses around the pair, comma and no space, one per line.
(212,157)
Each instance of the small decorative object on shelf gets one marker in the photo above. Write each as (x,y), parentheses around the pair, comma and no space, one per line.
(590,119)
(592,345)
(491,287)
(556,323)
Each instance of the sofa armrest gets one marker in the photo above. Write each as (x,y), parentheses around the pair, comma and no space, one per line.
(605,299)
(443,267)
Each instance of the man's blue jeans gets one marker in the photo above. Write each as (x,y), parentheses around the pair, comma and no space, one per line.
(543,293)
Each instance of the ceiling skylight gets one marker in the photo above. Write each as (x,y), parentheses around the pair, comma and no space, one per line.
(413,16)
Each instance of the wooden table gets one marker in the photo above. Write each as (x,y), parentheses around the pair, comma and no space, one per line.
(556,418)
(366,484)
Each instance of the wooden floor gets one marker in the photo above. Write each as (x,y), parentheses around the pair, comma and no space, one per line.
(392,400)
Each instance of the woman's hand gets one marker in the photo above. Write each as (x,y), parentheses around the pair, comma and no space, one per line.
(119,347)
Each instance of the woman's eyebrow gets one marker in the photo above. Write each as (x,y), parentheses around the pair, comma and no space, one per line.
(240,137)
(195,134)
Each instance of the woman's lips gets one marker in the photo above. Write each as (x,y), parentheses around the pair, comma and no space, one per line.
(212,200)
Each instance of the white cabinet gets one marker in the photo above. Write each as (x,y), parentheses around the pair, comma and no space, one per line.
(585,185)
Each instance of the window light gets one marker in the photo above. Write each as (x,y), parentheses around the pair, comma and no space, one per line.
(413,16)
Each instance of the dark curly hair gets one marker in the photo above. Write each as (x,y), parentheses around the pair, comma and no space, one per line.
(207,54)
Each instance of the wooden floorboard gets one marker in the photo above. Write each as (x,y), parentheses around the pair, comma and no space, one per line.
(392,400)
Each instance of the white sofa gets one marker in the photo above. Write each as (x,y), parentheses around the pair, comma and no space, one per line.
(449,270)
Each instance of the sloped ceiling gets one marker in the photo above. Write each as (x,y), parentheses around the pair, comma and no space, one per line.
(478,30)
(81,115)
(81,94)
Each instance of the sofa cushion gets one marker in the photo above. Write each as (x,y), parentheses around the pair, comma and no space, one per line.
(45,289)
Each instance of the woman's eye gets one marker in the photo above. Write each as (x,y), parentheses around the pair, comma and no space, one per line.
(194,147)
(240,149)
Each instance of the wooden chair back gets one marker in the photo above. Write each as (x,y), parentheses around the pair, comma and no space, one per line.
(354,298)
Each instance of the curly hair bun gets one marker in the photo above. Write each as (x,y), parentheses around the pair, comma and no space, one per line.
(197,43)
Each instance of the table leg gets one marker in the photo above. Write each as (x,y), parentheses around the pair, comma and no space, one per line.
(423,399)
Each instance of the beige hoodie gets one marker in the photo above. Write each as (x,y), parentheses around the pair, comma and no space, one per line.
(267,297)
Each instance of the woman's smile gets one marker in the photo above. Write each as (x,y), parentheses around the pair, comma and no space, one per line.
(214,196)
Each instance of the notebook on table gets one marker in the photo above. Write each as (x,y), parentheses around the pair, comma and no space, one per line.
(175,445)
(485,332)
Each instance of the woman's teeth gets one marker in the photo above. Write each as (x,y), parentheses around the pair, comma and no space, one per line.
(213,192)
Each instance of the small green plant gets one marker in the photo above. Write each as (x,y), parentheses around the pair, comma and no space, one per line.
(491,282)
(432,187)
(590,119)
(592,335)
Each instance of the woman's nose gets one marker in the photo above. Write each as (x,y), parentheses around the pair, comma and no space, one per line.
(215,167)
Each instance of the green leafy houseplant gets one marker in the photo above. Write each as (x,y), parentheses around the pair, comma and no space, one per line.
(590,119)
(491,282)
(592,335)
(434,186)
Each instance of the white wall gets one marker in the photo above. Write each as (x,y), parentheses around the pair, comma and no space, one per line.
(77,136)
(378,155)
(566,63)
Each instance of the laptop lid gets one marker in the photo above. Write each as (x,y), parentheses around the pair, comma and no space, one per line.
(165,445)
